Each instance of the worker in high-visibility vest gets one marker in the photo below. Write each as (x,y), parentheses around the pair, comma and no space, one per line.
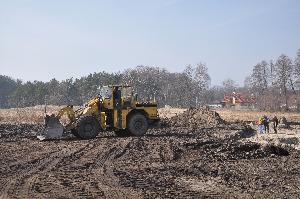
(260,124)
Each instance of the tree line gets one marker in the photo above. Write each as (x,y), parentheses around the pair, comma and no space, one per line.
(181,89)
(276,84)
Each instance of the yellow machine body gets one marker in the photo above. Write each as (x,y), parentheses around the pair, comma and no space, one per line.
(114,109)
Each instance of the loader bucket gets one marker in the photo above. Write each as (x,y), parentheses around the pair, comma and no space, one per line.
(53,128)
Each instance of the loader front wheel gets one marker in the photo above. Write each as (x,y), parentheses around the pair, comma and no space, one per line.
(88,127)
(137,124)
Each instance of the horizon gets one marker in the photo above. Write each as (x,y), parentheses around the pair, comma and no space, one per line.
(64,39)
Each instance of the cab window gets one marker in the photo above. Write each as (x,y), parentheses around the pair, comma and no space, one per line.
(106,92)
(127,92)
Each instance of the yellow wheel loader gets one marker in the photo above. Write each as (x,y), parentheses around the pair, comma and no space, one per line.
(114,109)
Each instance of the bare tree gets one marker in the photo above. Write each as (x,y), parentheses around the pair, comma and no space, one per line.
(283,75)
(200,82)
(297,69)
(229,85)
(260,77)
(247,82)
(147,81)
(259,83)
(202,77)
(297,79)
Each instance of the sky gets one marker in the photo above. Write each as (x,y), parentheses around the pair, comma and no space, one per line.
(41,40)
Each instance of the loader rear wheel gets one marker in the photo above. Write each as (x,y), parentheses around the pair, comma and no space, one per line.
(88,127)
(137,124)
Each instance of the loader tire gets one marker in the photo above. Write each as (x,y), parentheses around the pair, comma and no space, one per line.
(137,124)
(122,133)
(88,127)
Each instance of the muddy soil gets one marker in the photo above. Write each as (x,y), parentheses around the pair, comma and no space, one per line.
(181,159)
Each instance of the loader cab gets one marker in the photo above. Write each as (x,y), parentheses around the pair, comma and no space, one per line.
(115,100)
(105,92)
(128,99)
(117,96)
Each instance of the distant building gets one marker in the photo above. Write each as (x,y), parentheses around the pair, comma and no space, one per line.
(215,105)
(238,100)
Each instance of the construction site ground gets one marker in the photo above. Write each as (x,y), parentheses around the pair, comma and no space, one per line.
(194,154)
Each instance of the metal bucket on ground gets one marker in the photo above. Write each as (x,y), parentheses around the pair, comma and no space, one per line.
(53,128)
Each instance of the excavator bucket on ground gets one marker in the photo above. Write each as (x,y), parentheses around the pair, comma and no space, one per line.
(53,128)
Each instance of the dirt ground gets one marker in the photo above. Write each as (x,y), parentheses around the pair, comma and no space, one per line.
(221,160)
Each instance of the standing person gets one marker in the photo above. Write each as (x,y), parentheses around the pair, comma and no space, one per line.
(266,124)
(117,95)
(275,123)
(260,124)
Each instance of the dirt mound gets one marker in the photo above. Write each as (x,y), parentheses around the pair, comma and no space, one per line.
(196,118)
(224,150)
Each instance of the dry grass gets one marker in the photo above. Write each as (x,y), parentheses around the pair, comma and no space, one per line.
(36,114)
(26,115)
(232,115)
(247,115)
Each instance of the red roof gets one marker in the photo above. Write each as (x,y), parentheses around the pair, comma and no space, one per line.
(239,98)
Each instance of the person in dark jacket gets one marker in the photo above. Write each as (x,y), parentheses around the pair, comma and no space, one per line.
(266,124)
(117,97)
(275,123)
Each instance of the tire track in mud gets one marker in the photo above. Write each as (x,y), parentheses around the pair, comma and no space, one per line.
(26,191)
(62,179)
(55,174)
(103,170)
(75,186)
(24,181)
(115,152)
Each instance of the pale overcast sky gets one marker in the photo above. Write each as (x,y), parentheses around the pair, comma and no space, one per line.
(45,39)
